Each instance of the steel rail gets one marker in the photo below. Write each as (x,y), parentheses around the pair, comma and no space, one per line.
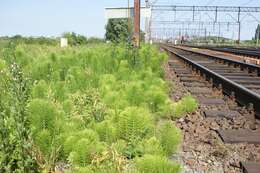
(243,65)
(243,95)
(245,52)
(239,51)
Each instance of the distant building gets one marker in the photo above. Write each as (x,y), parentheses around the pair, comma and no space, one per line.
(63,42)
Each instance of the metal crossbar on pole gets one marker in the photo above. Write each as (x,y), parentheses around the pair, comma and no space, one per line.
(194,22)
(158,12)
(205,8)
(215,20)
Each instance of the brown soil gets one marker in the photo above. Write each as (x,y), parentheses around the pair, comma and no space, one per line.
(202,149)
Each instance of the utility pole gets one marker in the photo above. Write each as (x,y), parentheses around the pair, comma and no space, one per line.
(205,35)
(257,34)
(137,23)
(239,25)
(257,38)
(147,21)
(129,16)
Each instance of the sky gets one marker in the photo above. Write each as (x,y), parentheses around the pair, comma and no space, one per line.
(87,17)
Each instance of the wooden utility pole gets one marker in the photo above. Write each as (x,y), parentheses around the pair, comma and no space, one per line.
(137,22)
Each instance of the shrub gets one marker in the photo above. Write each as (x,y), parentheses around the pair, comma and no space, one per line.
(134,123)
(189,104)
(81,148)
(83,152)
(156,164)
(43,115)
(110,161)
(16,148)
(156,98)
(40,90)
(72,138)
(170,137)
(76,79)
(88,106)
(152,146)
(46,124)
(59,91)
(134,93)
(106,131)
(186,105)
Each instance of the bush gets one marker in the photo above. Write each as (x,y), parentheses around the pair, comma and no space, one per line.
(170,137)
(106,131)
(134,124)
(186,105)
(72,138)
(46,125)
(83,152)
(156,164)
(152,146)
(189,104)
(40,90)
(87,106)
(43,115)
(16,147)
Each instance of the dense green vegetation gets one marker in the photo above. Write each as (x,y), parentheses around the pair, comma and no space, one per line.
(117,30)
(73,40)
(18,39)
(102,108)
(77,39)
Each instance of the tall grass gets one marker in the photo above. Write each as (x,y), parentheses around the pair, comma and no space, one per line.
(97,108)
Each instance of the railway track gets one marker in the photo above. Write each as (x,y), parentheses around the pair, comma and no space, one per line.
(225,89)
(240,51)
(255,53)
(248,52)
(235,78)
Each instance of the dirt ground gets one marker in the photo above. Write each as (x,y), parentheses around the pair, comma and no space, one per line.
(202,150)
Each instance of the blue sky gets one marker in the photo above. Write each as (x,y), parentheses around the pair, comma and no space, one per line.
(53,17)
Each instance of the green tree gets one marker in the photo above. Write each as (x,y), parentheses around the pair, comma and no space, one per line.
(117,30)
(75,39)
(95,40)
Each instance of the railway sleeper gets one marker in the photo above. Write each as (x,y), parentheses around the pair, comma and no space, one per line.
(228,114)
(199,90)
(211,101)
(240,136)
(195,84)
(199,86)
(250,167)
